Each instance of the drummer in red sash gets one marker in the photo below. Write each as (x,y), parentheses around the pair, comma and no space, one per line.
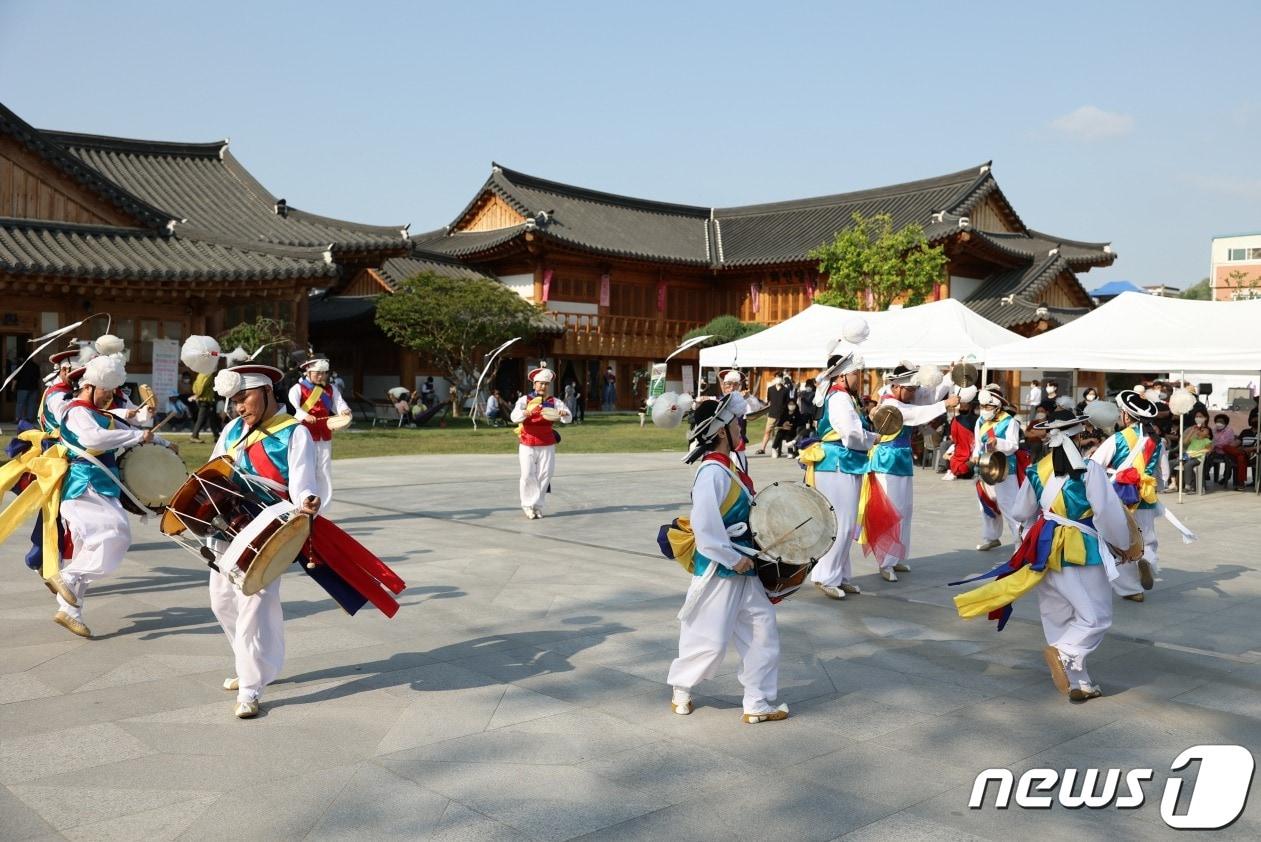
(99,532)
(314,400)
(535,413)
(270,444)
(726,600)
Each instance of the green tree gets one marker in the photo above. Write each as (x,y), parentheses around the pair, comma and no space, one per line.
(253,336)
(1200,291)
(454,322)
(873,257)
(724,329)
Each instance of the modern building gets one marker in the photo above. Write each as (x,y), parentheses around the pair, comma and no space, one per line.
(628,277)
(1235,266)
(1162,290)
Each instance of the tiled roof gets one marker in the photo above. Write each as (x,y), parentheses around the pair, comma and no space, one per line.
(1011,298)
(203,184)
(31,247)
(330,309)
(398,269)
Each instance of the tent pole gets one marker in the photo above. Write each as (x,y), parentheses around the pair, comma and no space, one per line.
(1182,431)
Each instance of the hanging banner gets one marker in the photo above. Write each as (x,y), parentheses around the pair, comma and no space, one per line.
(657,384)
(661,296)
(547,284)
(604,290)
(689,385)
(166,371)
(755,292)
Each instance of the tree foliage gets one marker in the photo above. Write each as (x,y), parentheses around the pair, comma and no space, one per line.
(454,322)
(725,329)
(251,336)
(1200,291)
(872,257)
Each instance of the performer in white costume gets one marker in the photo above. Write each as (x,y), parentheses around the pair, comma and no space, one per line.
(891,460)
(837,463)
(1138,463)
(997,431)
(726,600)
(314,400)
(267,443)
(96,521)
(534,414)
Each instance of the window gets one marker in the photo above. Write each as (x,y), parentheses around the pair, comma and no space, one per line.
(1244,254)
(172,330)
(1254,254)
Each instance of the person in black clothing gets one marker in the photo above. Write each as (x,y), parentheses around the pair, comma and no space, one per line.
(777,411)
(1050,393)
(29,386)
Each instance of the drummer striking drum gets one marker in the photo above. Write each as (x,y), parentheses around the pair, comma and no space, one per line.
(726,600)
(268,444)
(319,405)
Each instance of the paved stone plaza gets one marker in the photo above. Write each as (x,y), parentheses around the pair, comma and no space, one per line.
(519,693)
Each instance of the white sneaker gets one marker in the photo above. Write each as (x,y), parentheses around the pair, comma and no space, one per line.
(947,477)
(232,684)
(529,513)
(849,587)
(988,545)
(681,701)
(774,454)
(246,710)
(538,513)
(830,591)
(888,575)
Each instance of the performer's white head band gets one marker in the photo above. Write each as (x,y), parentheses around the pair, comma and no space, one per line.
(229,383)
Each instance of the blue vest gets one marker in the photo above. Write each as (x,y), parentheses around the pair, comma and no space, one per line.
(1000,432)
(738,513)
(892,455)
(275,448)
(1076,504)
(83,474)
(836,456)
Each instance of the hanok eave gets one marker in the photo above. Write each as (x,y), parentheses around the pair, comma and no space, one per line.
(169,238)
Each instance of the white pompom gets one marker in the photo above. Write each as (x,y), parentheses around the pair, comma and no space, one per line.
(109,344)
(105,372)
(686,402)
(1181,402)
(201,354)
(856,330)
(238,355)
(1103,414)
(666,412)
(929,376)
(227,383)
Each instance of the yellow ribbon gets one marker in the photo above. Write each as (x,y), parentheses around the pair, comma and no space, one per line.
(270,427)
(312,399)
(48,467)
(991,596)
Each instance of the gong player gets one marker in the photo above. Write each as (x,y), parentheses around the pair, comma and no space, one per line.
(315,400)
(89,505)
(997,431)
(272,446)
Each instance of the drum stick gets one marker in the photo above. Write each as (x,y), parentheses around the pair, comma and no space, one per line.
(154,429)
(779,538)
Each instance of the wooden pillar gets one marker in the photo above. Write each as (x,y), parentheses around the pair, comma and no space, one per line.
(408,363)
(301,328)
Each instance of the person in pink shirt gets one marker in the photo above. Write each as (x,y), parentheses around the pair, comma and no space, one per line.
(1226,442)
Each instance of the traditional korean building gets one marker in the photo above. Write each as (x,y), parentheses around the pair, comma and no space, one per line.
(169,238)
(628,277)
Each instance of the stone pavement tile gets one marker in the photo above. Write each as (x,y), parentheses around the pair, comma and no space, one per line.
(19,820)
(999,730)
(909,828)
(872,773)
(855,716)
(462,824)
(163,824)
(544,802)
(436,716)
(884,686)
(152,667)
(1233,631)
(71,710)
(66,750)
(378,804)
(775,809)
(799,679)
(673,770)
(304,747)
(582,684)
(20,687)
(69,805)
(566,738)
(14,658)
(282,808)
(519,705)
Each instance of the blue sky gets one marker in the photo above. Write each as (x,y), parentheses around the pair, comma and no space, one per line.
(1137,123)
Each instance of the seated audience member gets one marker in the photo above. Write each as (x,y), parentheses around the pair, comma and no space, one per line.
(1227,454)
(1197,442)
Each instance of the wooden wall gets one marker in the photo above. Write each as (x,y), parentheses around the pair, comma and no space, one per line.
(31,189)
(490,213)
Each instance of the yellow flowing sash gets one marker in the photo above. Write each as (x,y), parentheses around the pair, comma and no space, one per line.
(815,453)
(42,495)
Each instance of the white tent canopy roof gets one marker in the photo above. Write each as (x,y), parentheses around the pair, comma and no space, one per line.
(937,333)
(1146,333)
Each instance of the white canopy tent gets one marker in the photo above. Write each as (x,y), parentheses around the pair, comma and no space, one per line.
(1146,333)
(937,333)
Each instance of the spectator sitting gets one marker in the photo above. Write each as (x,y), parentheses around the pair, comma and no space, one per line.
(1227,454)
(1197,443)
(494,409)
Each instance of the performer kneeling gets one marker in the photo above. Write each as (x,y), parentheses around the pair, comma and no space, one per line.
(273,446)
(726,599)
(1074,515)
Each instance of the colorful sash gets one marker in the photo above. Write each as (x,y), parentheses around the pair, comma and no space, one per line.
(879,528)
(1135,480)
(676,539)
(318,403)
(537,432)
(250,451)
(42,495)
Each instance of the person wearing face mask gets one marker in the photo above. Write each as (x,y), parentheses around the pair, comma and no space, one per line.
(1226,445)
(726,600)
(1088,397)
(835,465)
(997,431)
(1072,515)
(1050,396)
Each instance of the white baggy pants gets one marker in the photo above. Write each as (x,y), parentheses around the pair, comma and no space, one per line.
(1006,492)
(730,607)
(1076,606)
(901,493)
(101,535)
(536,474)
(255,629)
(324,473)
(842,491)
(1127,580)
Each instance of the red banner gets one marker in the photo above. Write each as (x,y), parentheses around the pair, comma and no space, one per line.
(547,284)
(661,296)
(604,290)
(755,292)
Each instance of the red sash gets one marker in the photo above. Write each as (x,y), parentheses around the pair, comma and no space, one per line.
(733,466)
(319,410)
